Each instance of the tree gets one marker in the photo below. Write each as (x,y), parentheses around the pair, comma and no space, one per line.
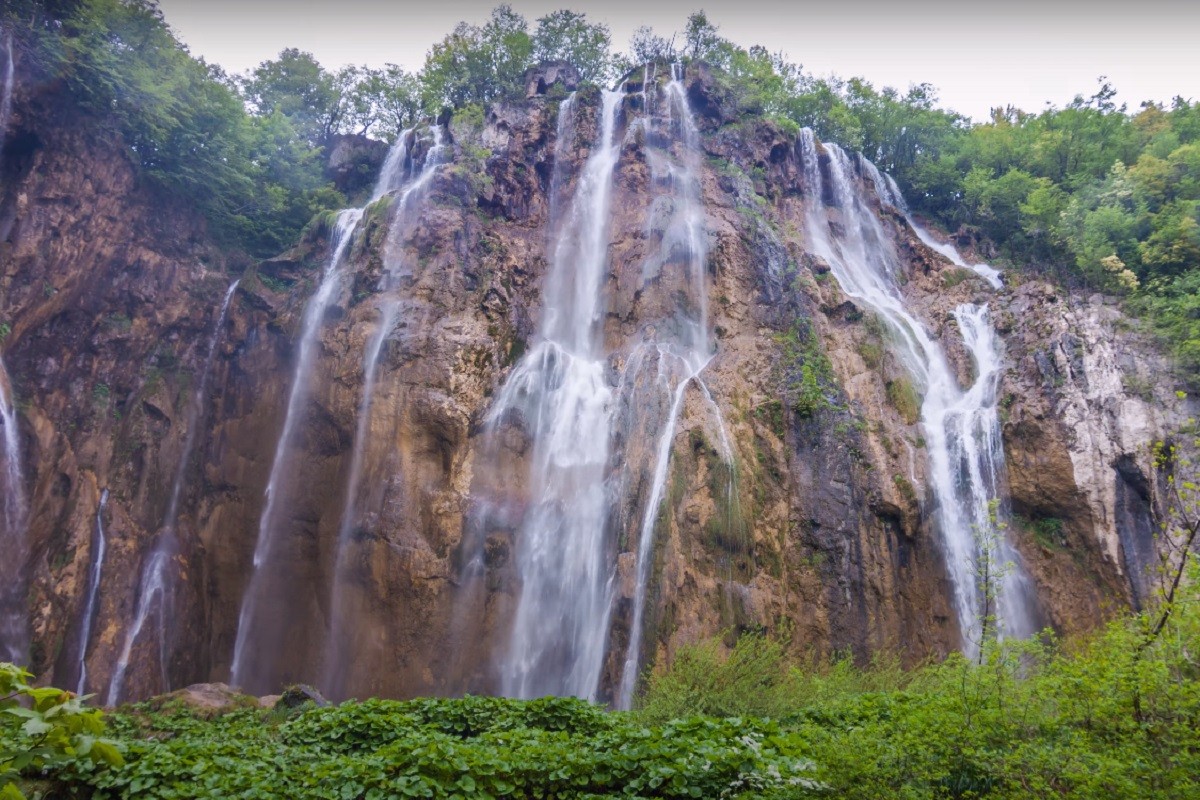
(478,64)
(703,43)
(989,572)
(383,102)
(299,88)
(646,47)
(568,36)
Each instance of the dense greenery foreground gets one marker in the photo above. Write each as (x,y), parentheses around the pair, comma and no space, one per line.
(1114,715)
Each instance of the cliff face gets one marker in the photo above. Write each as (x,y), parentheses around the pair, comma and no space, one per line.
(826,534)
(108,294)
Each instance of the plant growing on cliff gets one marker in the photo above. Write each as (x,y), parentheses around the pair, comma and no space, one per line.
(45,729)
(1179,527)
(989,571)
(806,373)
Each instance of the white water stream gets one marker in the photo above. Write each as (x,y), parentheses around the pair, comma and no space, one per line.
(7,92)
(679,363)
(889,192)
(962,433)
(407,206)
(157,582)
(95,572)
(269,522)
(14,631)
(560,389)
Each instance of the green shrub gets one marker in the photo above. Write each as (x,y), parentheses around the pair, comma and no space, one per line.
(904,398)
(46,729)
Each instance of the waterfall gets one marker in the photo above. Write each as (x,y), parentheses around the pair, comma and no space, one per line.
(269,523)
(961,428)
(560,391)
(6,97)
(99,545)
(14,630)
(407,205)
(889,192)
(157,581)
(677,363)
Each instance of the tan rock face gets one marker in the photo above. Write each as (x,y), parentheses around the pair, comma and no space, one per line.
(820,531)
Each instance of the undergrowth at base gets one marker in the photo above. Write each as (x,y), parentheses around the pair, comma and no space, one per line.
(474,747)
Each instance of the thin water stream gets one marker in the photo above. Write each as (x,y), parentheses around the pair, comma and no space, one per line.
(252,647)
(408,204)
(14,625)
(95,574)
(966,460)
(157,583)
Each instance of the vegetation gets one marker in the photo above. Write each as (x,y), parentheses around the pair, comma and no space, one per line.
(1114,714)
(44,730)
(1110,715)
(1089,194)
(806,372)
(468,748)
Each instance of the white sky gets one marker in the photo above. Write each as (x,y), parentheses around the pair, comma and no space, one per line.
(1019,52)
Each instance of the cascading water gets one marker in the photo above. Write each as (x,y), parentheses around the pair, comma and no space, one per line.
(250,628)
(9,76)
(678,363)
(560,390)
(99,545)
(889,192)
(156,584)
(961,428)
(14,633)
(408,203)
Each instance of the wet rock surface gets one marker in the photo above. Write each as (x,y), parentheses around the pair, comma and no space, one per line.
(827,537)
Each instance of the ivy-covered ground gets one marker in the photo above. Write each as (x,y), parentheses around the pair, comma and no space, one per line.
(473,747)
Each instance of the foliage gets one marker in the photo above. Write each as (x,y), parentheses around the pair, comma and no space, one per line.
(296,86)
(806,372)
(568,36)
(1090,194)
(183,122)
(46,729)
(903,397)
(1109,715)
(470,748)
(478,63)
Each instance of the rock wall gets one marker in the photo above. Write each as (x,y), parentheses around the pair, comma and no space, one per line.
(111,296)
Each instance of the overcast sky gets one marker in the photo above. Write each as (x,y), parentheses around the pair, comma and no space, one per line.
(1018,52)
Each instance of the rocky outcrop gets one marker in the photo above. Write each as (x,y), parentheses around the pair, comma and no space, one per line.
(820,530)
(353,161)
(1087,399)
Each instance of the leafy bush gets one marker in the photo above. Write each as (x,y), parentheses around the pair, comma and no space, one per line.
(469,748)
(1114,714)
(45,729)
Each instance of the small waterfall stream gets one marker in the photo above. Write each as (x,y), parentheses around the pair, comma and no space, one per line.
(961,428)
(7,92)
(14,631)
(264,550)
(95,572)
(156,586)
(889,192)
(407,205)
(678,363)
